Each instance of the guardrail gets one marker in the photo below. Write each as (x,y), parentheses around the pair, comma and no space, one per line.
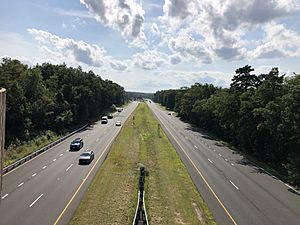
(36,153)
(140,217)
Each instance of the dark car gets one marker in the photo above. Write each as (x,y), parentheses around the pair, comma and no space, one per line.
(110,116)
(86,157)
(77,144)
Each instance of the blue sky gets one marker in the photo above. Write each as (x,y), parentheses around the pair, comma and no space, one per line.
(151,45)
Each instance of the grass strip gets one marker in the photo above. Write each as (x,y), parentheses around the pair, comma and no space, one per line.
(16,152)
(171,197)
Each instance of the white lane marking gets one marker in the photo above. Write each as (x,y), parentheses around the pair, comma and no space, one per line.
(20,184)
(67,150)
(69,167)
(4,196)
(61,154)
(87,149)
(44,167)
(234,185)
(220,155)
(195,147)
(34,174)
(35,200)
(226,160)
(208,146)
(97,139)
(85,137)
(54,160)
(232,164)
(210,161)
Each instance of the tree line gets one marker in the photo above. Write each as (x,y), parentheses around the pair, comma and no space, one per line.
(259,114)
(52,97)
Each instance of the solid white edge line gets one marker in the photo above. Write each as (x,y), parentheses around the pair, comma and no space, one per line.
(210,161)
(20,184)
(35,200)
(33,175)
(234,185)
(69,167)
(4,196)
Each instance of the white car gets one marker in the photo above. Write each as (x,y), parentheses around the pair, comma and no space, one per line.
(86,157)
(118,123)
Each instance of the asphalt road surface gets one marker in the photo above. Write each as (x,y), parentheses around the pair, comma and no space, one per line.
(48,189)
(236,191)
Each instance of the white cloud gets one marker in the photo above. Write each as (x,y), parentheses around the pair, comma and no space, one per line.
(149,60)
(155,30)
(174,79)
(79,51)
(221,25)
(279,42)
(174,59)
(118,65)
(125,16)
(189,48)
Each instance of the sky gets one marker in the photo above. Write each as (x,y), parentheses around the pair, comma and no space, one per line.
(150,45)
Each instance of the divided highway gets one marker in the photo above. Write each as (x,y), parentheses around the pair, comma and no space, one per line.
(236,191)
(48,189)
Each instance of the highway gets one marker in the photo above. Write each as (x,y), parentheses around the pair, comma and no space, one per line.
(48,189)
(236,191)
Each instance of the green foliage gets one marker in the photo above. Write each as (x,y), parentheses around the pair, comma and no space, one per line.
(258,114)
(52,97)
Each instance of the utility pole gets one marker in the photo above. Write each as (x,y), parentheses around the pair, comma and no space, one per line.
(2,133)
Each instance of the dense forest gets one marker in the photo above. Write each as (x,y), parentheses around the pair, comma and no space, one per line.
(259,114)
(52,97)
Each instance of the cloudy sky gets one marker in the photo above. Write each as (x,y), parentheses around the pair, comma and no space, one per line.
(149,45)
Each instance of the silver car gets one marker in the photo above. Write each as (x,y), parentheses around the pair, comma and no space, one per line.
(86,157)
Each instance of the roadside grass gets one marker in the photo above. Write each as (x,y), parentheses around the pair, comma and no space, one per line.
(16,152)
(171,197)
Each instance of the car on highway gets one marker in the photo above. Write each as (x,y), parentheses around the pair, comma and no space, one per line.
(110,116)
(86,157)
(169,113)
(120,109)
(118,123)
(76,144)
(104,119)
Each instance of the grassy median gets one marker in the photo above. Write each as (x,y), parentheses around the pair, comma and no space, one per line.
(171,197)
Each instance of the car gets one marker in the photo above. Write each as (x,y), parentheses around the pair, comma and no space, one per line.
(120,109)
(104,119)
(76,144)
(110,116)
(118,123)
(86,157)
(169,113)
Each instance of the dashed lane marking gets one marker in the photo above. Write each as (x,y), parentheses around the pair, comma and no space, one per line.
(35,200)
(234,185)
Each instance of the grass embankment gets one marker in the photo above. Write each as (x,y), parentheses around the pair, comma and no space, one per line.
(18,151)
(171,197)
